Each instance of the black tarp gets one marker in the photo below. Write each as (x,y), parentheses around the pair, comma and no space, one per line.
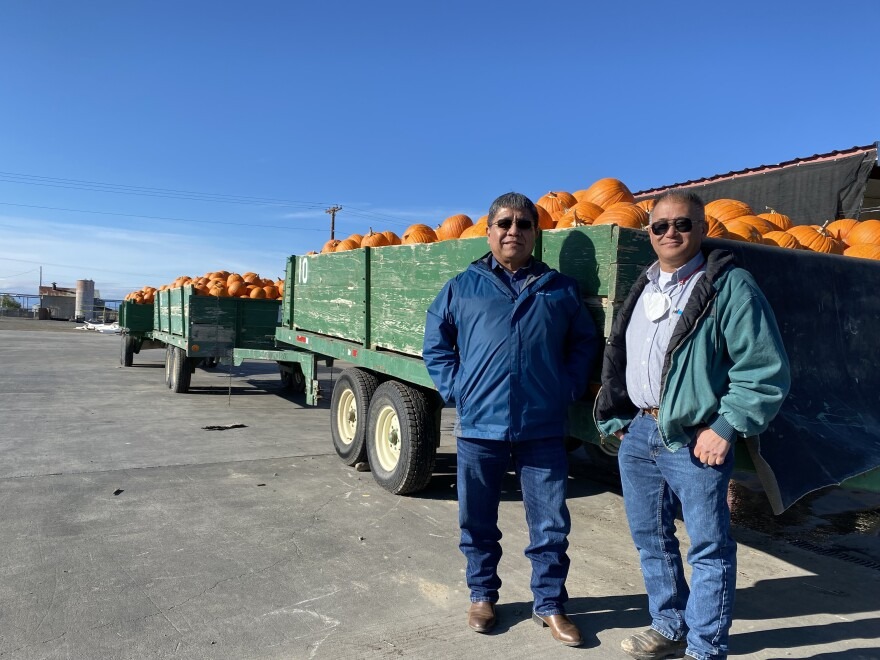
(828,312)
(809,191)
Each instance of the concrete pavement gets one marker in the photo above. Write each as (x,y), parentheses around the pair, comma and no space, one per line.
(130,530)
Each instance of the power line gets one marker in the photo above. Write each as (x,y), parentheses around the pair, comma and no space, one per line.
(88,268)
(171,193)
(97,186)
(159,217)
(6,277)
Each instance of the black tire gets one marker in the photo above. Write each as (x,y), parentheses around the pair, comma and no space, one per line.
(169,363)
(294,380)
(400,438)
(349,406)
(126,355)
(181,372)
(572,443)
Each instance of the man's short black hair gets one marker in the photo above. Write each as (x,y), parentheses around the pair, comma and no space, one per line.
(515,201)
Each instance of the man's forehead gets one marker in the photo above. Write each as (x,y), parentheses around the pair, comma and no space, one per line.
(670,210)
(509,212)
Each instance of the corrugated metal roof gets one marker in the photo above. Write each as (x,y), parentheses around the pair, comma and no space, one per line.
(760,169)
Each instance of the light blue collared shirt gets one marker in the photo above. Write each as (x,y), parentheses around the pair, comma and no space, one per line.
(647,341)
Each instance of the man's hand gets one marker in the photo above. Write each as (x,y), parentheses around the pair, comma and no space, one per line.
(619,434)
(710,448)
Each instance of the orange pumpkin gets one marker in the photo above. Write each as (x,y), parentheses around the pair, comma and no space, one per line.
(582,213)
(840,229)
(271,292)
(236,288)
(727,209)
(375,239)
(453,226)
(393,239)
(476,231)
(817,240)
(866,231)
(419,233)
(556,203)
(759,223)
(606,192)
(624,215)
(742,231)
(780,221)
(782,239)
(545,220)
(714,228)
(347,244)
(258,293)
(330,246)
(863,251)
(647,204)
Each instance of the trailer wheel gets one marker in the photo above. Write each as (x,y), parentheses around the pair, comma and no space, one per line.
(181,371)
(349,404)
(126,355)
(604,456)
(400,443)
(293,378)
(169,363)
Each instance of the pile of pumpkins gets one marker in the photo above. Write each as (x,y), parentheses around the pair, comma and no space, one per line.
(609,201)
(220,283)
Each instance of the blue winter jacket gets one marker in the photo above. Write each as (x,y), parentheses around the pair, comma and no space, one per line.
(512,364)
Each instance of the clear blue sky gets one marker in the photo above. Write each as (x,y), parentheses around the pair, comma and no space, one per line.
(400,112)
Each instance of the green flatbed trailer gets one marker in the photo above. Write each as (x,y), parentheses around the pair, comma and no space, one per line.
(204,330)
(367,307)
(136,323)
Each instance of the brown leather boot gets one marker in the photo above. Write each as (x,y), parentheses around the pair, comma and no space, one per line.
(651,645)
(561,627)
(481,616)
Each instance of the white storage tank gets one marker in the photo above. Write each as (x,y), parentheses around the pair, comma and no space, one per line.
(85,300)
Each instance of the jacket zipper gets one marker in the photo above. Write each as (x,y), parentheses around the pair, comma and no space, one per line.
(671,355)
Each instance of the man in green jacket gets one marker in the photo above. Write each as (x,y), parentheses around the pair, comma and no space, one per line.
(694,361)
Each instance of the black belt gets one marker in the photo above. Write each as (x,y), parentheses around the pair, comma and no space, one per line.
(653,412)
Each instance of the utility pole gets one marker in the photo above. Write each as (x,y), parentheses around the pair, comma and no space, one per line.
(332,211)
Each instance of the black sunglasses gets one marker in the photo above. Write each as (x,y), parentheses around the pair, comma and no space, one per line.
(505,225)
(682,226)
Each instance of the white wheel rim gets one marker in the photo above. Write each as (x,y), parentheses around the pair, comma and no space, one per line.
(387,439)
(347,417)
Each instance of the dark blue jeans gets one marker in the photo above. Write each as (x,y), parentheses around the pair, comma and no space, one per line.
(542,469)
(655,482)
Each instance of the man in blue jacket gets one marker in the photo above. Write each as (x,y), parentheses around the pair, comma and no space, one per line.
(510,341)
(693,362)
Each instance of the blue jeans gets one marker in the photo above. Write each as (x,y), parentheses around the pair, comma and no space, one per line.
(542,469)
(655,482)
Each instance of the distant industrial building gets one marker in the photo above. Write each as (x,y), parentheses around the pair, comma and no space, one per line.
(79,304)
